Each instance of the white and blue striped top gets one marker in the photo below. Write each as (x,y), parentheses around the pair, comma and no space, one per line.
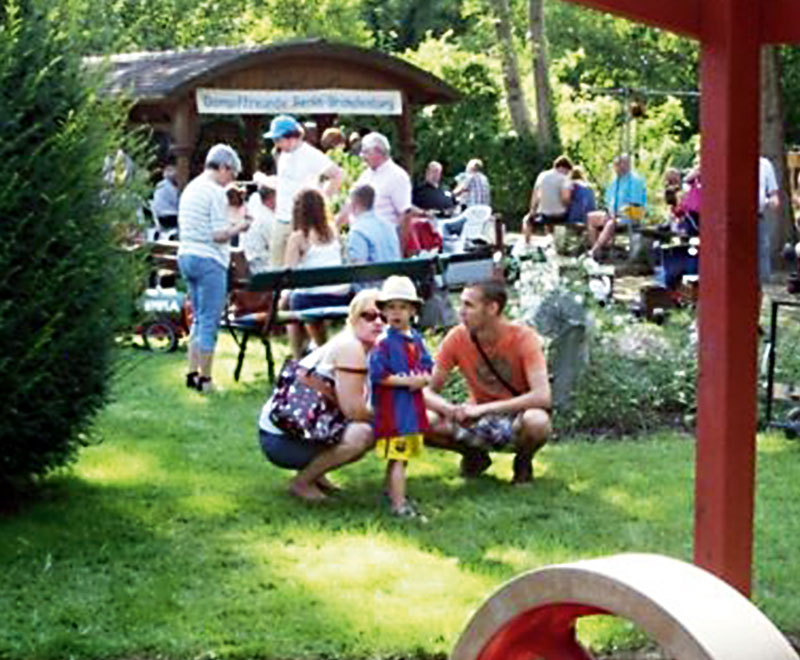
(202,211)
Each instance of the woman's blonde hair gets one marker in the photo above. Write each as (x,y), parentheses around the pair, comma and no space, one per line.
(361,301)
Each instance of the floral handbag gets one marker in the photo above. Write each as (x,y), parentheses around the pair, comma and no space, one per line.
(304,406)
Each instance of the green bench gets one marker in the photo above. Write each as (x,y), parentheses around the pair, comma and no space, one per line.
(422,270)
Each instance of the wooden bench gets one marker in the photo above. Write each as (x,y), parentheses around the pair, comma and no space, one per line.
(423,270)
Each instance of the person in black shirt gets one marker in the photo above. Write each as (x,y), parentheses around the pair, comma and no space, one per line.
(429,195)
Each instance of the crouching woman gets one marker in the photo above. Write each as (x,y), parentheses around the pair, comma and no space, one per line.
(343,361)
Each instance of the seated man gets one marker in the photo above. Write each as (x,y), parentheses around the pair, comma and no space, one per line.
(371,239)
(550,198)
(165,199)
(430,195)
(509,391)
(626,200)
(473,189)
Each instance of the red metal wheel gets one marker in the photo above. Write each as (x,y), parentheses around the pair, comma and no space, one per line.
(690,613)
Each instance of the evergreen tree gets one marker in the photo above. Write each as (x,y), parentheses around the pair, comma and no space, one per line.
(61,277)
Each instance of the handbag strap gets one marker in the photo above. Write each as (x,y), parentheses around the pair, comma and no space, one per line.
(514,391)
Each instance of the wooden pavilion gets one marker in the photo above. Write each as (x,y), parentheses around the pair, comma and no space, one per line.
(731,34)
(171,90)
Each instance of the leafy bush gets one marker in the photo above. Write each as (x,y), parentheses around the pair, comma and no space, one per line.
(62,282)
(629,376)
(640,377)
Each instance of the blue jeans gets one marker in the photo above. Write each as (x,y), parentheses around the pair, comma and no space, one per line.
(286,452)
(300,300)
(207,280)
(453,227)
(764,265)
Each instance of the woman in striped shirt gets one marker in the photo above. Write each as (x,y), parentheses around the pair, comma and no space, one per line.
(204,255)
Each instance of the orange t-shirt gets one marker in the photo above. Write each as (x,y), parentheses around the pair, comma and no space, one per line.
(517,348)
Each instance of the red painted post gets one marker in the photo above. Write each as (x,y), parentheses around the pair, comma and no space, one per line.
(725,460)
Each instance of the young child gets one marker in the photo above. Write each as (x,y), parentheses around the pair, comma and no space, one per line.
(399,367)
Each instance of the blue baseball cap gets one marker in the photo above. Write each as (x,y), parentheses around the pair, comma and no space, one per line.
(281,126)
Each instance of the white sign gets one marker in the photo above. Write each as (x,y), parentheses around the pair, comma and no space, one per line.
(300,101)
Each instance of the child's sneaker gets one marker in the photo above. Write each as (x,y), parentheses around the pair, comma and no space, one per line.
(409,510)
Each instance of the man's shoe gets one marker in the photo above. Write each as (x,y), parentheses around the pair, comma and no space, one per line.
(474,463)
(523,470)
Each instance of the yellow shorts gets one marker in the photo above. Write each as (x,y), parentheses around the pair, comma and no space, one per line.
(400,448)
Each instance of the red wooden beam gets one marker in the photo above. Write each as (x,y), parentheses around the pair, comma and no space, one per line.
(780,22)
(729,114)
(681,16)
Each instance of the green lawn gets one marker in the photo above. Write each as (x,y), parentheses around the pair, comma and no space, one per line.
(173,538)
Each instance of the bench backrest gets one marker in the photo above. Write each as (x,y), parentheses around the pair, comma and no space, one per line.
(299,278)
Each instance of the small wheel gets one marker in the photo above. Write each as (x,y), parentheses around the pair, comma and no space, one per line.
(160,337)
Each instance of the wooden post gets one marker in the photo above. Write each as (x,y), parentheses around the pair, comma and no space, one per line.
(726,429)
(252,144)
(407,137)
(184,126)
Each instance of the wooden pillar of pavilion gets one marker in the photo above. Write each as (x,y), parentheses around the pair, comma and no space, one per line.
(184,130)
(252,144)
(731,33)
(728,312)
(406,126)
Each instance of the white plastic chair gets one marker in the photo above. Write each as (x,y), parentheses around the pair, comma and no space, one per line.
(477,216)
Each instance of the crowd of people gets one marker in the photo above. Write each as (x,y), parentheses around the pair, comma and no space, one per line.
(289,222)
(387,384)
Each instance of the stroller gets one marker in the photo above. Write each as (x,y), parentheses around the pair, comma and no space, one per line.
(169,317)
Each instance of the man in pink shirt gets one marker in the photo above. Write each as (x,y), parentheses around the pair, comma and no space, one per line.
(392,187)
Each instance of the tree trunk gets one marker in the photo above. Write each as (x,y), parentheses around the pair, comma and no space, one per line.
(541,78)
(520,118)
(772,146)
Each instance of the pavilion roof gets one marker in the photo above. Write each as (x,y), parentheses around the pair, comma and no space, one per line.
(157,76)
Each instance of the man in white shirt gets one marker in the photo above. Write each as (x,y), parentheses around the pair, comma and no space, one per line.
(299,166)
(261,208)
(550,197)
(392,187)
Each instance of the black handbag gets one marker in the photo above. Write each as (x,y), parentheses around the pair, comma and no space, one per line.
(304,406)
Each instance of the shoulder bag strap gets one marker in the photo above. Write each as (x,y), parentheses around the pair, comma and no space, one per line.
(514,391)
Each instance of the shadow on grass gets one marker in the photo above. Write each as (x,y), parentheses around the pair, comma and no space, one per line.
(178,574)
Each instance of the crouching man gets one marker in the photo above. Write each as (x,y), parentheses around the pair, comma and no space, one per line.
(509,391)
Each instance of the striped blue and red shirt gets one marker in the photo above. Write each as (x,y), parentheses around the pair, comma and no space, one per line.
(398,410)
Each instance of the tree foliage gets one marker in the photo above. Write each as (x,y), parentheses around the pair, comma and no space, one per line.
(399,25)
(335,20)
(62,282)
(452,134)
(619,53)
(592,128)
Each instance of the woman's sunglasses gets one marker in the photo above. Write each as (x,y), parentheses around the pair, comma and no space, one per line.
(370,316)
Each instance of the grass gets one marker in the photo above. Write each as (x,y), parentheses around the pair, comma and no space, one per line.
(173,538)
